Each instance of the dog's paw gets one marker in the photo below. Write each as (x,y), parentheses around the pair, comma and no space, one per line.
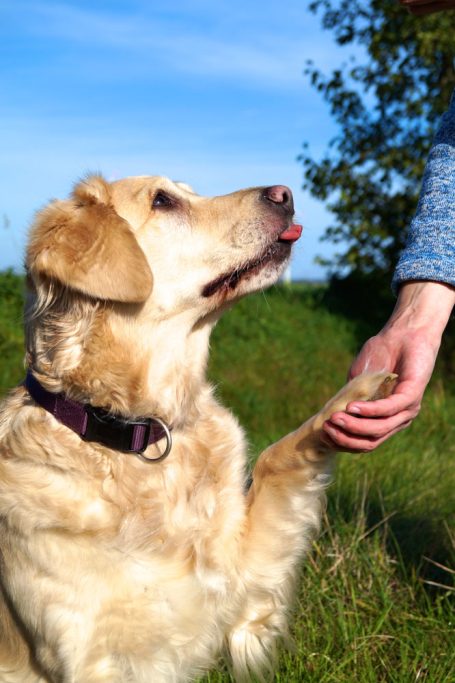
(366,387)
(370,387)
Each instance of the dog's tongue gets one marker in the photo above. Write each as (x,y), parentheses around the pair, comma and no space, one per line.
(292,233)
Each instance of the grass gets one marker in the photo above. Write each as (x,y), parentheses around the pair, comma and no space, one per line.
(376,602)
(376,598)
(11,331)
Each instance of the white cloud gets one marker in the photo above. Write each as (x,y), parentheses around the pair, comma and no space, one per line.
(262,46)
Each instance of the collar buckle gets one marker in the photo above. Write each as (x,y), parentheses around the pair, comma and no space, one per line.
(112,431)
(129,436)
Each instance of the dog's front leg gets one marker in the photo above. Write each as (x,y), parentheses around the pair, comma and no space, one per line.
(285,502)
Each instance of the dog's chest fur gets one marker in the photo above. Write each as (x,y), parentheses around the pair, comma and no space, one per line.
(150,547)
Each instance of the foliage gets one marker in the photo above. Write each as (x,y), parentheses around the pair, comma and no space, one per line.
(11,336)
(386,99)
(374,601)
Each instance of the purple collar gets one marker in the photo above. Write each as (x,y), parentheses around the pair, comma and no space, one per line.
(96,424)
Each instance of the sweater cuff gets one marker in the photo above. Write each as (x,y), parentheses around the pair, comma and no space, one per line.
(437,268)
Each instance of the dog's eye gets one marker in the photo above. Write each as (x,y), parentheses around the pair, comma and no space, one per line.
(161,200)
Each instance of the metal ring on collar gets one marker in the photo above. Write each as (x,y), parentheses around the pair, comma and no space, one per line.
(167,450)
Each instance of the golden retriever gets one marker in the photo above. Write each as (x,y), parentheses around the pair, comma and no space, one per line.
(119,565)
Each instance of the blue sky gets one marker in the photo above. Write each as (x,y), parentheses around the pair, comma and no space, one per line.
(210,92)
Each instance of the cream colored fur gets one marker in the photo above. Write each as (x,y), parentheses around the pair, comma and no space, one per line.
(114,570)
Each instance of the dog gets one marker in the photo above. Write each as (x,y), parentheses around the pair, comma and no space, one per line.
(132,549)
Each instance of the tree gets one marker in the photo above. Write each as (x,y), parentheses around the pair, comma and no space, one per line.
(387,106)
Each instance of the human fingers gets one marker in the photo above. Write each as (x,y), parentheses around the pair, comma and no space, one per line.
(361,427)
(406,397)
(339,440)
(373,356)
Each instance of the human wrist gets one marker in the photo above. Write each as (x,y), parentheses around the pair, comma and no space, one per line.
(422,304)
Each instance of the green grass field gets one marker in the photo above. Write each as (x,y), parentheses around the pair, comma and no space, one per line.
(376,602)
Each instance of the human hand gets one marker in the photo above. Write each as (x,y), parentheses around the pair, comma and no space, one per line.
(365,425)
(408,346)
(422,7)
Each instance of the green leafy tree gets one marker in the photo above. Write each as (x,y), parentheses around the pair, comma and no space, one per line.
(387,104)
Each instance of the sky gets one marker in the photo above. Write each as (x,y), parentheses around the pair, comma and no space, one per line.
(210,92)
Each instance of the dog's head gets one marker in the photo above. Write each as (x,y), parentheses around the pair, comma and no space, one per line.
(147,239)
(148,249)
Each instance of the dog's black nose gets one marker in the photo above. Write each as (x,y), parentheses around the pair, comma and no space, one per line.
(279,195)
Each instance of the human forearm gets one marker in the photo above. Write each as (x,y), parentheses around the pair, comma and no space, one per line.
(422,304)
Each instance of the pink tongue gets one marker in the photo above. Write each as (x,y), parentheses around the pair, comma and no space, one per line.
(292,233)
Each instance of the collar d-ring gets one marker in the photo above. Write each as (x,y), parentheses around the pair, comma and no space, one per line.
(167,434)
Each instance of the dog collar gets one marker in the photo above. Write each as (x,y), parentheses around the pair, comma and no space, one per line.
(95,424)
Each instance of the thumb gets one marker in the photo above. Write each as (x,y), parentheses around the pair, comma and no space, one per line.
(358,366)
(373,357)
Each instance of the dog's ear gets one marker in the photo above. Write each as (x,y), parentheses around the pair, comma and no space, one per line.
(84,244)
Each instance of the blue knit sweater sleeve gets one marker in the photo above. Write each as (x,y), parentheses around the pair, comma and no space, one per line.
(430,250)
